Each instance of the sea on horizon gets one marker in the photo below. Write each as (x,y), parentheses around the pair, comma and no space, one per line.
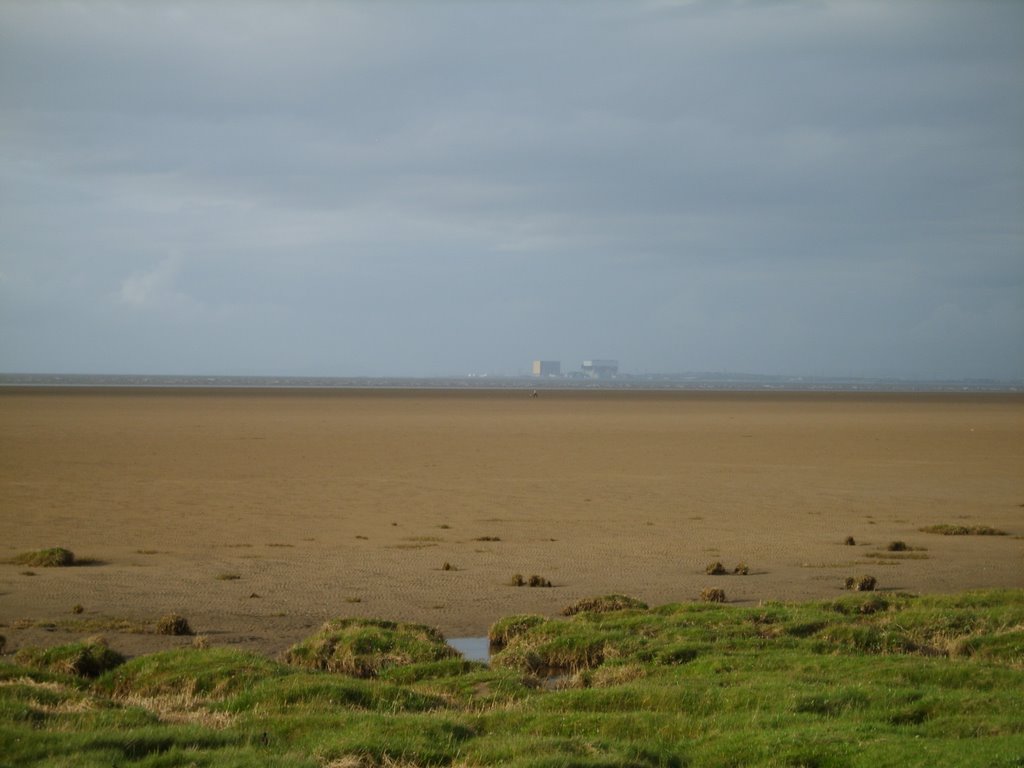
(682,382)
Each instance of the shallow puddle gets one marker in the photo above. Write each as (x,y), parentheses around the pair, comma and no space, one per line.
(472,648)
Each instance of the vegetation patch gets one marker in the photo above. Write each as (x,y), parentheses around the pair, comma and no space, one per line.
(861,583)
(604,604)
(897,546)
(173,624)
(712,595)
(228,577)
(553,649)
(715,569)
(741,569)
(367,647)
(203,674)
(850,541)
(609,675)
(873,604)
(518,580)
(504,630)
(862,680)
(89,658)
(54,557)
(487,538)
(676,654)
(963,530)
(897,555)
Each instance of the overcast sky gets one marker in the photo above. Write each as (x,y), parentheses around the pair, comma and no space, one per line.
(433,188)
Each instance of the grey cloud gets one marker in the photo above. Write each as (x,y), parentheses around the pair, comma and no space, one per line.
(432,188)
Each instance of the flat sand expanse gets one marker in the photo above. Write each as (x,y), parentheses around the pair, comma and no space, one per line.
(259,513)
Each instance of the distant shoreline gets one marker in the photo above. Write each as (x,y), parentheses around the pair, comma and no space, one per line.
(655,383)
(469,394)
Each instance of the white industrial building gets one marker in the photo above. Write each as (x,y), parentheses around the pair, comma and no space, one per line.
(547,368)
(601,369)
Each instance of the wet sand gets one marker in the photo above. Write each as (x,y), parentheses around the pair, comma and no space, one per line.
(350,502)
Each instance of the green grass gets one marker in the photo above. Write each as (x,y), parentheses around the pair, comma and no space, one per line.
(870,680)
(367,647)
(89,658)
(603,604)
(54,557)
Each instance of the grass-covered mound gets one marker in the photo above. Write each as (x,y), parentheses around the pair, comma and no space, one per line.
(89,658)
(212,673)
(53,557)
(173,624)
(504,630)
(367,647)
(604,604)
(866,680)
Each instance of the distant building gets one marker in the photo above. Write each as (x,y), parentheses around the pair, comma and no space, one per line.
(601,369)
(547,368)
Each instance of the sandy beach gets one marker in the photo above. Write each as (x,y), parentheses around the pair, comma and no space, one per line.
(259,513)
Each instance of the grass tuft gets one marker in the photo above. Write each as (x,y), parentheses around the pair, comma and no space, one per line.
(897,546)
(963,530)
(367,647)
(741,569)
(54,557)
(861,583)
(504,630)
(173,624)
(89,658)
(850,541)
(534,581)
(712,595)
(209,674)
(604,604)
(873,604)
(715,569)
